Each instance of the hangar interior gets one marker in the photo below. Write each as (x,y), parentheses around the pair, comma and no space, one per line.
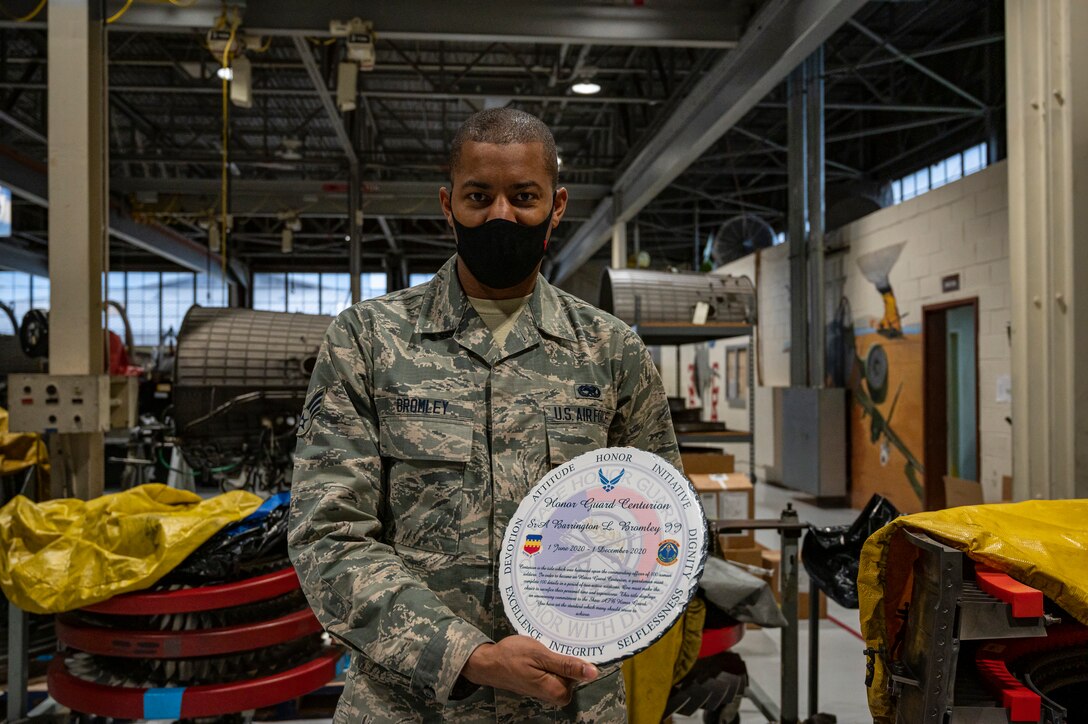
(849,231)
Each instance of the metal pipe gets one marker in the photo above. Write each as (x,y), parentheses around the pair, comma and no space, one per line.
(797,210)
(814,158)
(355,242)
(813,647)
(18,653)
(788,586)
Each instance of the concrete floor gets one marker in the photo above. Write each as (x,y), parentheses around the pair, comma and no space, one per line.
(841,662)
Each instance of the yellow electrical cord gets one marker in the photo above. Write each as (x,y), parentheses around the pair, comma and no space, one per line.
(117,16)
(32,14)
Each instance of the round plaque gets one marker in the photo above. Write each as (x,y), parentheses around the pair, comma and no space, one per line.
(603,555)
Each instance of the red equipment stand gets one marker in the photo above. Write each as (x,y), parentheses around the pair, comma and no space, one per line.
(100,638)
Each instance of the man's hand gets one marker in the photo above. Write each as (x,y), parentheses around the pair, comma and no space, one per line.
(525,666)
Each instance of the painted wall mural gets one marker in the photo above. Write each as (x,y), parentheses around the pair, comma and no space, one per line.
(881,362)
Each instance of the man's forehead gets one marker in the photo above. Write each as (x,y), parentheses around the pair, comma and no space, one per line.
(520,159)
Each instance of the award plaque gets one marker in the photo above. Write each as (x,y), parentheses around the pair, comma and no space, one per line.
(603,555)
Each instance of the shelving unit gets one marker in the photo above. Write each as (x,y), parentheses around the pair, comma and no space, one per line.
(678,333)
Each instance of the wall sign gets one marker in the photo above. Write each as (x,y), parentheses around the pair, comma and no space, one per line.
(950,283)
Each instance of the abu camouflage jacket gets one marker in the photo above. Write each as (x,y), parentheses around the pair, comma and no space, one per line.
(419,439)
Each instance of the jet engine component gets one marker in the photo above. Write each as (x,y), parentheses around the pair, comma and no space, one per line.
(639,296)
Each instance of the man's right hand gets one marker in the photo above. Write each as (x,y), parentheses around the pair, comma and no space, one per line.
(525,666)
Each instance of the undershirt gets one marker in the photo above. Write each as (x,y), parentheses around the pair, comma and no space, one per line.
(500,315)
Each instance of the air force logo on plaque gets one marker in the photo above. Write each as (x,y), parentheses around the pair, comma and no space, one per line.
(609,483)
(532,544)
(668,552)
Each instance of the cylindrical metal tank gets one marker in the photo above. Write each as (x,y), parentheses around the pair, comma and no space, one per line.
(238,369)
(639,296)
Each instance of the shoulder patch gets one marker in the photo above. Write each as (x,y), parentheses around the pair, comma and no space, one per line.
(313,405)
(592,392)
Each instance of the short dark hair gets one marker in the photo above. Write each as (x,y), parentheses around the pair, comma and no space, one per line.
(505,126)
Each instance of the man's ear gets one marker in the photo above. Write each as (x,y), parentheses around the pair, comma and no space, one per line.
(445,202)
(559,206)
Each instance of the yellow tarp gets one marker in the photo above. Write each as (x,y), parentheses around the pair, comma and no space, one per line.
(20,450)
(64,554)
(1041,543)
(648,677)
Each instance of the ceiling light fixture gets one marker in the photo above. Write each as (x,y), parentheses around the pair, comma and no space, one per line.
(225,72)
(586,88)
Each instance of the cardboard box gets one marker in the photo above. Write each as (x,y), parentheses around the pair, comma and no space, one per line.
(802,605)
(748,556)
(959,492)
(727,497)
(706,463)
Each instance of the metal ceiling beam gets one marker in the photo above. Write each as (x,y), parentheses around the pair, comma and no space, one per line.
(949,47)
(254,206)
(24,260)
(387,231)
(367,93)
(668,23)
(242,187)
(885,107)
(783,34)
(323,199)
(304,52)
(22,127)
(915,64)
(895,128)
(33,186)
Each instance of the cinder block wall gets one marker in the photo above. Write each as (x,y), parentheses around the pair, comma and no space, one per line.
(961,228)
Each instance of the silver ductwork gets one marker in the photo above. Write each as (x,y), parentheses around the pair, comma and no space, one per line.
(638,296)
(239,372)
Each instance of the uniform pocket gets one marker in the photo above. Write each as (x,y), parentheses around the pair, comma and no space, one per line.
(574,428)
(426,458)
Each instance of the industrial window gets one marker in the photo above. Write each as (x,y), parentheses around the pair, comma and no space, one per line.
(374,285)
(144,307)
(178,295)
(418,278)
(943,172)
(304,293)
(18,290)
(270,292)
(335,292)
(114,291)
(310,292)
(211,292)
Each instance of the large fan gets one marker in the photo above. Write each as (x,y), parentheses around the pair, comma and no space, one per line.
(737,238)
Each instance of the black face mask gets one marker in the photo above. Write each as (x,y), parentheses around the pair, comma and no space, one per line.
(501,253)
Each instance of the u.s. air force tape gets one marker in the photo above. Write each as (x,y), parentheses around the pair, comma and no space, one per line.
(603,555)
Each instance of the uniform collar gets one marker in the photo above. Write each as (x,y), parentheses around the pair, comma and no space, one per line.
(446,303)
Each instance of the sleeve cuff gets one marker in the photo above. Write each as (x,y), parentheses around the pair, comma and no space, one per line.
(440,664)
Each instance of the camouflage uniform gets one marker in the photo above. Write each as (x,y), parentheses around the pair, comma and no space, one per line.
(419,440)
